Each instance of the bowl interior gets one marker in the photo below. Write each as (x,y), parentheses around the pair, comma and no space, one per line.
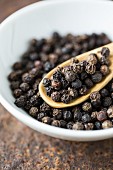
(40,20)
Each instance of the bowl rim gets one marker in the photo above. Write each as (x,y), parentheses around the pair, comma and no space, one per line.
(35,124)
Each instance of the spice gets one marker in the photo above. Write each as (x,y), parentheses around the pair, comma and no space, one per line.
(57,114)
(107,101)
(33,111)
(70,125)
(104,70)
(94,115)
(92,59)
(56,123)
(110,112)
(46,120)
(90,69)
(88,82)
(105,52)
(104,92)
(97,77)
(78,126)
(56,96)
(102,115)
(67,115)
(56,84)
(86,118)
(45,54)
(87,107)
(98,125)
(17,93)
(24,87)
(88,126)
(72,76)
(107,124)
(21,101)
(77,84)
(46,82)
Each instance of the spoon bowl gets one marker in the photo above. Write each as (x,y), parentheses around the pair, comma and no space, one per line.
(80,99)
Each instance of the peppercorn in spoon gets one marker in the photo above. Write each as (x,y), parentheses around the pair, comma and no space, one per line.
(71,83)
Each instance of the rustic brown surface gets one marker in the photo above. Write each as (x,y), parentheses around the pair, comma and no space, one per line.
(24,149)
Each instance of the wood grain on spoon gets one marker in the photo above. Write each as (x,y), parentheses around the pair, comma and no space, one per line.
(80,99)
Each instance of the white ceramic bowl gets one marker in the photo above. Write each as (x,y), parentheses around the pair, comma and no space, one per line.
(40,20)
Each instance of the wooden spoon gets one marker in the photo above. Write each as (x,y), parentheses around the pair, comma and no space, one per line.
(80,99)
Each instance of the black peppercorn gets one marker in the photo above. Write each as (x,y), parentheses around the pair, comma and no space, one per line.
(87,107)
(33,56)
(88,82)
(77,115)
(56,84)
(30,93)
(56,123)
(102,115)
(72,93)
(94,115)
(58,75)
(48,66)
(65,98)
(78,126)
(105,52)
(27,78)
(107,124)
(83,75)
(90,69)
(35,100)
(83,90)
(53,58)
(104,61)
(15,85)
(97,77)
(70,76)
(46,120)
(45,108)
(107,101)
(104,69)
(89,126)
(67,115)
(95,96)
(33,111)
(17,93)
(56,96)
(24,87)
(41,115)
(63,123)
(21,101)
(86,118)
(17,66)
(96,104)
(32,73)
(13,76)
(38,64)
(70,125)
(49,90)
(76,84)
(77,67)
(98,125)
(57,114)
(110,112)
(46,82)
(92,59)
(104,92)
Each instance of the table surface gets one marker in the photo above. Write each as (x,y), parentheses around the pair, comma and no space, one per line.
(21,148)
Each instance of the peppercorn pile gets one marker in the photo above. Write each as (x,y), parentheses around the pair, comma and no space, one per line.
(42,56)
(74,80)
